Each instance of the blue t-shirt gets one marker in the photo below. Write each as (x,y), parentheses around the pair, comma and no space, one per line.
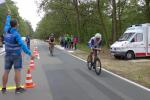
(16,35)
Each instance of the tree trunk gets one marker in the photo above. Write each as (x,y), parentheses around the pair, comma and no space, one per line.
(114,21)
(102,22)
(121,5)
(75,2)
(147,10)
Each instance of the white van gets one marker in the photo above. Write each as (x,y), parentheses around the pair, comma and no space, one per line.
(135,42)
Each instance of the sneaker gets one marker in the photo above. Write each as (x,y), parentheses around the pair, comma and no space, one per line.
(20,90)
(4,91)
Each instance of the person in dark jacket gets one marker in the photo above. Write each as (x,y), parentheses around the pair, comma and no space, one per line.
(13,48)
(1,41)
(28,41)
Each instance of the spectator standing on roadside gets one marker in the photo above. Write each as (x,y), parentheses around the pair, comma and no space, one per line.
(66,41)
(1,41)
(62,40)
(75,41)
(28,41)
(71,42)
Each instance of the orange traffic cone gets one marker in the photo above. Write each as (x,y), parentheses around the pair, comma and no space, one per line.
(32,65)
(35,48)
(34,52)
(29,83)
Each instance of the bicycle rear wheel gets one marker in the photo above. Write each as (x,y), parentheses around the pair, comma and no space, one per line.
(97,65)
(51,50)
(89,62)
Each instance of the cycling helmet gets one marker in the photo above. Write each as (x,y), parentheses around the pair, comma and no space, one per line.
(52,34)
(98,35)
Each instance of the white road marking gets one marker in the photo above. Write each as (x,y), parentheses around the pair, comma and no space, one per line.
(129,81)
(140,60)
(59,47)
(70,51)
(62,48)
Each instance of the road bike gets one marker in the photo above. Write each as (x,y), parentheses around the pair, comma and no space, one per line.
(51,49)
(94,62)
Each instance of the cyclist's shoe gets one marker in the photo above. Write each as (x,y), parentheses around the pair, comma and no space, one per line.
(4,91)
(19,90)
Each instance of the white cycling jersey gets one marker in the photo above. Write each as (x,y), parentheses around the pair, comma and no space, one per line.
(94,44)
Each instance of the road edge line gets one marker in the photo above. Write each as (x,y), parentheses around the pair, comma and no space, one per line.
(111,73)
(2,53)
(125,79)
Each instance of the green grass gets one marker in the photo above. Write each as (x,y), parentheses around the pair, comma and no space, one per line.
(137,72)
(83,47)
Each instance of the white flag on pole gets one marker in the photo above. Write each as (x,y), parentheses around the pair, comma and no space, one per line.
(2,1)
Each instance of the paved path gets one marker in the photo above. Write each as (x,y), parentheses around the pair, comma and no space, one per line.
(63,77)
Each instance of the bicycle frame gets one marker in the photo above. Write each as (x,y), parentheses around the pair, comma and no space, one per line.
(51,47)
(92,61)
(94,54)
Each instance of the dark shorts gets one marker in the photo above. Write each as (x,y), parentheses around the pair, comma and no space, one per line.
(12,59)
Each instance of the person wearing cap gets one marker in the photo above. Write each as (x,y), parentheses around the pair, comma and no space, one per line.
(13,48)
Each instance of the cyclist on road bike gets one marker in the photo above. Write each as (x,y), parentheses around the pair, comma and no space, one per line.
(95,44)
(51,43)
(51,39)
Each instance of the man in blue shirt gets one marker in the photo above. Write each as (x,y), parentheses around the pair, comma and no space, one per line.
(13,47)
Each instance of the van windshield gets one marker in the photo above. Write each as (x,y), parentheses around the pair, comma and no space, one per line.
(126,36)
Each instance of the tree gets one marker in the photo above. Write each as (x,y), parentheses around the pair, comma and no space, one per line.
(14,13)
(102,22)
(120,9)
(75,3)
(147,10)
(114,21)
(87,17)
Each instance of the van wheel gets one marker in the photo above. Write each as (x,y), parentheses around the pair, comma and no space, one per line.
(129,55)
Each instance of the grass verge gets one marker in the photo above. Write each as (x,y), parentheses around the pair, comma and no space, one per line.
(135,70)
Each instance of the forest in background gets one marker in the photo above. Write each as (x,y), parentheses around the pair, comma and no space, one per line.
(84,18)
(24,25)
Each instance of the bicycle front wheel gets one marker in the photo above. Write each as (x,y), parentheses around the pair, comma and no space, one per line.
(97,65)
(89,62)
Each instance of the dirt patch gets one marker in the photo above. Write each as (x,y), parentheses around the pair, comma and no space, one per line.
(137,70)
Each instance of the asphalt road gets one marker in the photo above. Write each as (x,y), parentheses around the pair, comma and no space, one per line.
(63,77)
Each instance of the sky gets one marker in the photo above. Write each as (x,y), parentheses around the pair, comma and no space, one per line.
(28,11)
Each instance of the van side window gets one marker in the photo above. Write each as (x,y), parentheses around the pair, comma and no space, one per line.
(138,37)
